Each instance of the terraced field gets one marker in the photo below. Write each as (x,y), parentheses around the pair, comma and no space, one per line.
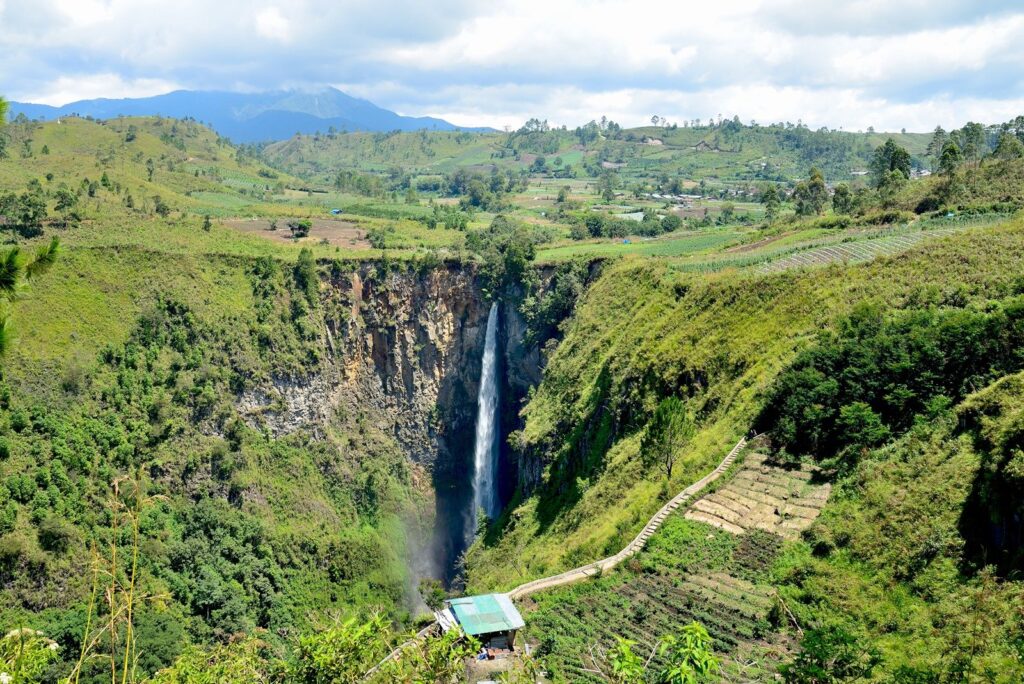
(852,252)
(664,588)
(710,564)
(764,496)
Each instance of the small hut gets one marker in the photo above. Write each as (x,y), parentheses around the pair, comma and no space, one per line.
(491,618)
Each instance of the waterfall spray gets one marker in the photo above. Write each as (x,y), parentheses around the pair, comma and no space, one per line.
(485,458)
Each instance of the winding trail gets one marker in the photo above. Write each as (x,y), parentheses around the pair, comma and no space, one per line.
(638,543)
(600,566)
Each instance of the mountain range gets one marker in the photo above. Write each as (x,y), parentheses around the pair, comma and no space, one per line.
(250,117)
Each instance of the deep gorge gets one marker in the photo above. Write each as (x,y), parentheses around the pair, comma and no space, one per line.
(404,347)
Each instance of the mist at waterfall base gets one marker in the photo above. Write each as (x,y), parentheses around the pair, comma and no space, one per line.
(485,449)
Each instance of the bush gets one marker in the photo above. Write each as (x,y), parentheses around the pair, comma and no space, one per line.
(54,534)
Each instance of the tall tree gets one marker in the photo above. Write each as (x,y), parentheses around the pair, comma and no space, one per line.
(3,121)
(889,157)
(1009,147)
(972,141)
(668,432)
(842,199)
(771,201)
(811,195)
(950,159)
(935,145)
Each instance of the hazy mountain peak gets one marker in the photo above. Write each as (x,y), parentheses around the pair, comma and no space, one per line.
(250,117)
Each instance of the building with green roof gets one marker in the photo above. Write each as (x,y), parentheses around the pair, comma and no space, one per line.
(491,618)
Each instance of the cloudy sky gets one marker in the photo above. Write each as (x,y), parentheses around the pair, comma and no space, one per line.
(883,63)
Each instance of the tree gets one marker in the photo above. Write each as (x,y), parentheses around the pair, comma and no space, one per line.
(889,157)
(306,277)
(607,184)
(150,168)
(842,199)
(1009,147)
(862,427)
(771,201)
(828,656)
(950,159)
(811,195)
(690,658)
(65,199)
(972,141)
(300,228)
(3,122)
(935,145)
(669,430)
(161,207)
(728,210)
(892,183)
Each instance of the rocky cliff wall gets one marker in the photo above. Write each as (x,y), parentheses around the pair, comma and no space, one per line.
(402,348)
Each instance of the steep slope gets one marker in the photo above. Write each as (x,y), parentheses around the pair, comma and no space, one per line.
(891,573)
(643,332)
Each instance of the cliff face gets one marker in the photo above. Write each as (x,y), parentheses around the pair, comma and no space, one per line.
(402,348)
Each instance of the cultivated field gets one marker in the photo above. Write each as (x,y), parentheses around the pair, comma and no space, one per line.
(764,496)
(324,231)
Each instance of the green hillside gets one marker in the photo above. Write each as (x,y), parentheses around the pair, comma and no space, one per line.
(727,151)
(153,508)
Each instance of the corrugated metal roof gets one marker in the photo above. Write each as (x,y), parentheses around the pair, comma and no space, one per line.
(486,614)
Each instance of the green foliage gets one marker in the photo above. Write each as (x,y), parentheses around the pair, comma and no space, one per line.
(343,653)
(306,278)
(25,655)
(842,199)
(811,195)
(626,666)
(829,656)
(669,430)
(878,373)
(508,250)
(887,159)
(771,201)
(690,659)
(246,661)
(435,659)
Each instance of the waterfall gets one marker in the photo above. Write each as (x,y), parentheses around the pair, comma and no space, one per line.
(485,457)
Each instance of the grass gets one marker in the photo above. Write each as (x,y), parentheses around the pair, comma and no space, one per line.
(671,245)
(717,340)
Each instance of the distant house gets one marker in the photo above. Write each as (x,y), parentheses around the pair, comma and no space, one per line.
(491,618)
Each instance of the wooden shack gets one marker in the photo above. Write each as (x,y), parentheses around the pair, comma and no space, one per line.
(491,618)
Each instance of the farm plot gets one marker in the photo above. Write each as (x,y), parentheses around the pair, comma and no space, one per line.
(690,571)
(764,496)
(338,233)
(852,252)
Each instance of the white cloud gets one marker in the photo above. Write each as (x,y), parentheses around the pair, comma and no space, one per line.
(270,23)
(67,89)
(865,62)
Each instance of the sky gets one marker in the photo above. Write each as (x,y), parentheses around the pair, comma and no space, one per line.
(890,64)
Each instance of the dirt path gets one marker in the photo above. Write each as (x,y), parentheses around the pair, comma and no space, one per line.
(597,567)
(638,543)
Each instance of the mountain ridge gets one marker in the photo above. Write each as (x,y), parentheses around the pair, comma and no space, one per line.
(250,117)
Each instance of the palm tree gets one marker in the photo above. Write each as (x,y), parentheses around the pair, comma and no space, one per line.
(13,274)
